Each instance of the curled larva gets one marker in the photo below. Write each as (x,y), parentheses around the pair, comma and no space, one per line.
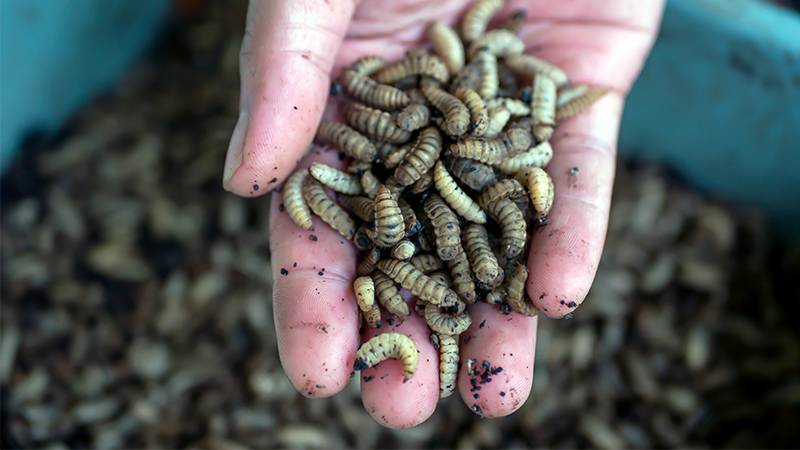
(423,184)
(513,228)
(412,224)
(488,151)
(347,140)
(531,66)
(421,158)
(445,227)
(456,115)
(488,81)
(538,156)
(472,173)
(369,183)
(484,264)
(540,188)
(335,179)
(517,137)
(385,346)
(415,63)
(499,42)
(363,238)
(479,115)
(392,159)
(330,213)
(505,188)
(578,104)
(461,203)
(515,291)
(447,345)
(389,225)
(389,295)
(367,264)
(516,107)
(403,250)
(461,274)
(413,117)
(445,322)
(377,124)
(362,207)
(420,285)
(365,297)
(498,118)
(367,65)
(447,45)
(543,107)
(426,263)
(294,202)
(368,91)
(477,18)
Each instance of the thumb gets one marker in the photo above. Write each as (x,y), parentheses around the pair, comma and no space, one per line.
(288,51)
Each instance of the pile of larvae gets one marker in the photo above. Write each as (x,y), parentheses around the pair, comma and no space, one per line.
(445,179)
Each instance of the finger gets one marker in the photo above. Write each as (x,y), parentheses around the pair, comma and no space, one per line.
(287,55)
(315,312)
(388,399)
(503,348)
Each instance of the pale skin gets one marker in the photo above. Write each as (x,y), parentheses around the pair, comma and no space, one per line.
(291,51)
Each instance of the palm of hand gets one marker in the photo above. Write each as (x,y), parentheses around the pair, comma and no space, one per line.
(600,43)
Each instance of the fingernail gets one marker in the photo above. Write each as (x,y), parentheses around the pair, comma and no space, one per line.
(233,159)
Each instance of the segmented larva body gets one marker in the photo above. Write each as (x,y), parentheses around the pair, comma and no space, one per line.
(445,227)
(531,66)
(477,18)
(517,136)
(413,117)
(367,264)
(369,183)
(389,225)
(496,296)
(385,346)
(512,225)
(403,250)
(347,140)
(479,115)
(421,158)
(426,263)
(415,63)
(364,89)
(294,202)
(330,213)
(580,103)
(543,107)
(461,203)
(488,81)
(484,264)
(335,179)
(505,188)
(498,118)
(375,123)
(418,283)
(363,238)
(538,156)
(467,77)
(472,173)
(446,323)
(499,42)
(392,159)
(412,225)
(368,65)
(356,167)
(447,345)
(540,188)
(569,93)
(423,184)
(461,274)
(362,207)
(515,291)
(488,151)
(365,297)
(456,115)
(516,107)
(447,45)
(389,295)
(442,278)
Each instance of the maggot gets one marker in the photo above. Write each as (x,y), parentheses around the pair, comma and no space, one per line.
(362,207)
(445,227)
(543,107)
(512,225)
(389,225)
(499,42)
(372,93)
(456,115)
(445,322)
(447,45)
(505,188)
(447,345)
(472,173)
(479,115)
(335,179)
(363,238)
(347,140)
(413,117)
(488,151)
(488,80)
(531,66)
(498,118)
(385,346)
(377,124)
(416,62)
(538,156)
(417,282)
(404,250)
(330,213)
(427,263)
(574,106)
(365,297)
(482,260)
(368,263)
(461,274)
(369,183)
(458,200)
(540,188)
(421,158)
(389,295)
(477,18)
(515,291)
(294,202)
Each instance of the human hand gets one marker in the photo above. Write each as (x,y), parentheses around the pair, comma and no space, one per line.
(290,50)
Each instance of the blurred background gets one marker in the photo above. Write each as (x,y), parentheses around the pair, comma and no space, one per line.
(136,293)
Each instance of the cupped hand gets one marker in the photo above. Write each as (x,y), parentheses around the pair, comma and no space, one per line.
(290,52)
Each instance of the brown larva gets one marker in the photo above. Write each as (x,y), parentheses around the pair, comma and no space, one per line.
(294,202)
(531,66)
(461,274)
(456,115)
(369,183)
(569,93)
(472,173)
(389,295)
(488,81)
(498,118)
(389,225)
(370,92)
(426,263)
(368,65)
(413,117)
(515,106)
(468,77)
(515,291)
(367,264)
(461,203)
(385,346)
(543,107)
(410,221)
(335,179)
(447,45)
(445,227)
(578,104)
(477,18)
(517,136)
(347,140)
(484,264)
(447,345)
(365,297)
(538,156)
(362,207)
(421,158)
(445,322)
(330,213)
(403,250)
(499,42)
(505,188)
(423,184)
(416,62)
(391,160)
(377,124)
(479,115)
(442,278)
(512,225)
(488,151)
(420,285)
(363,238)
